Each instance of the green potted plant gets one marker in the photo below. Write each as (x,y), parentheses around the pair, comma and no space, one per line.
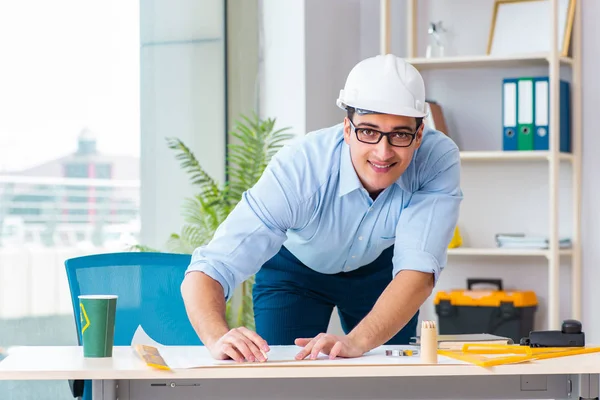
(257,142)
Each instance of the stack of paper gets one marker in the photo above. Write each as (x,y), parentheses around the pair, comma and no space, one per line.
(521,241)
(456,342)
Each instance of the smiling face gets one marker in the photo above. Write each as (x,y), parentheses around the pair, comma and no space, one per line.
(380,165)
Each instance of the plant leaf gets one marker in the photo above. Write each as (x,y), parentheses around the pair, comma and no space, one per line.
(189,163)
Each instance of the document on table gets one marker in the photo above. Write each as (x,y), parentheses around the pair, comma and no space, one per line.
(183,357)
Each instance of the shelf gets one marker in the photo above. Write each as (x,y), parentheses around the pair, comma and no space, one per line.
(512,155)
(494,251)
(485,61)
(475,67)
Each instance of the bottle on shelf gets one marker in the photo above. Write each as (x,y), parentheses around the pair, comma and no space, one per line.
(436,45)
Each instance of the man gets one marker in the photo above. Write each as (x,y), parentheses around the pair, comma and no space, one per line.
(357,216)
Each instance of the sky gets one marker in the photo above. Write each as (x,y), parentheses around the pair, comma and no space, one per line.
(66,65)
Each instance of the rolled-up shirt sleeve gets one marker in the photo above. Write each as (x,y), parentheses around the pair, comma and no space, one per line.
(426,225)
(253,232)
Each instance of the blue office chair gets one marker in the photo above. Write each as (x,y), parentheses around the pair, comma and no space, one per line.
(148,286)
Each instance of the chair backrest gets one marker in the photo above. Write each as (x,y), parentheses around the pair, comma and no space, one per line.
(148,286)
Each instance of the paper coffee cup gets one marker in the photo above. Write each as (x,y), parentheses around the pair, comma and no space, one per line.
(97,324)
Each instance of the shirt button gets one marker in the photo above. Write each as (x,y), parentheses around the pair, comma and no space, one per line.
(360,238)
(353,256)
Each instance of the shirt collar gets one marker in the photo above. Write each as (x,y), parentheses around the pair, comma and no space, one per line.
(349,181)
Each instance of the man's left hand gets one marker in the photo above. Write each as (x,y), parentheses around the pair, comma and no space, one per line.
(332,345)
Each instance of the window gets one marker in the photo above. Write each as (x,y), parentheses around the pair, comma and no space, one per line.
(69,160)
(91,91)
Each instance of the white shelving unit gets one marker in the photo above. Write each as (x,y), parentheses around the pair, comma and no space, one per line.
(486,61)
(553,61)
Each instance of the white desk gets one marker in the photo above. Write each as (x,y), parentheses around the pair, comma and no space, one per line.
(125,377)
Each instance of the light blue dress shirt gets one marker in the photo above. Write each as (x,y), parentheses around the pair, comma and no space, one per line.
(310,199)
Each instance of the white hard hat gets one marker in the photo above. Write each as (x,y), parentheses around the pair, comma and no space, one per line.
(385,84)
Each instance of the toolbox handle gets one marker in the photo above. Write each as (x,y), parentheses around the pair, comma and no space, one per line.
(475,281)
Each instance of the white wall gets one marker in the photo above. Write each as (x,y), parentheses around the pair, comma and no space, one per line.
(591,164)
(282,59)
(331,46)
(242,60)
(307,49)
(182,95)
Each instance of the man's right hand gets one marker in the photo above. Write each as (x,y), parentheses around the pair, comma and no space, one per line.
(205,305)
(240,344)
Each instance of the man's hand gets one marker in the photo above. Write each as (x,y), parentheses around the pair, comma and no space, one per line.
(333,345)
(205,305)
(240,344)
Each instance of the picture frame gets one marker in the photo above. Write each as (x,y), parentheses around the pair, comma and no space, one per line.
(524,27)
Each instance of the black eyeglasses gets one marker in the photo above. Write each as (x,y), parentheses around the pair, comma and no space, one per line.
(373,136)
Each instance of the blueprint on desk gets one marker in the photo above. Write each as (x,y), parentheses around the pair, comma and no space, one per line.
(180,357)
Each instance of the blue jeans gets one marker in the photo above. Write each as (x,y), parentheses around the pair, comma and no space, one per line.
(293,301)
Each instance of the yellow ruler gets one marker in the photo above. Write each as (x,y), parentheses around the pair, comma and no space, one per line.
(475,353)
